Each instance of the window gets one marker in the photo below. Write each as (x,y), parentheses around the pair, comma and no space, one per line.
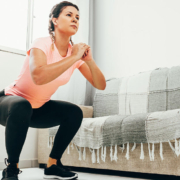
(13,18)
(23,21)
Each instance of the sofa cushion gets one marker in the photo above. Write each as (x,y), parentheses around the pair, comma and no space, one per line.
(154,127)
(150,91)
(87,111)
(106,101)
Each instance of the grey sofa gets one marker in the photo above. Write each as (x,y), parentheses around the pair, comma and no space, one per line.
(137,111)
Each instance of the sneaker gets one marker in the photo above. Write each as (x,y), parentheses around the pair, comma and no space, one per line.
(57,172)
(11,172)
(61,165)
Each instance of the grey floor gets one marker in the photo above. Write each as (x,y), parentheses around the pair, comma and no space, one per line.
(37,174)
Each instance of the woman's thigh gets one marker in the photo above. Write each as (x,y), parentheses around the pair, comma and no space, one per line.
(14,106)
(52,113)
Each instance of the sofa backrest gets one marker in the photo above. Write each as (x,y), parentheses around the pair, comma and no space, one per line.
(106,101)
(149,91)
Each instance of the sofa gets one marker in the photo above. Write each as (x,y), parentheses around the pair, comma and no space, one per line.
(133,125)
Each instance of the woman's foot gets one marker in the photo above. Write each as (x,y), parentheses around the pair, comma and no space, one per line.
(57,162)
(61,165)
(11,172)
(51,161)
(55,171)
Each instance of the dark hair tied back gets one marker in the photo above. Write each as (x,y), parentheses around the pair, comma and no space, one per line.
(55,12)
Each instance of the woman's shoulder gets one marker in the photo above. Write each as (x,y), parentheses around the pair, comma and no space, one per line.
(42,43)
(45,40)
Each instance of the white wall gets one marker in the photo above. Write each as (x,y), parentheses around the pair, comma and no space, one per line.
(10,65)
(135,36)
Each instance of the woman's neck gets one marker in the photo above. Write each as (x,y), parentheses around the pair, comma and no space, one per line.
(61,41)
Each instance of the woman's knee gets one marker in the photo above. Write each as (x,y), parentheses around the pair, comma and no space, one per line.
(20,107)
(76,114)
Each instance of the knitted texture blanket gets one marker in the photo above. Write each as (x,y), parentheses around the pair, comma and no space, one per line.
(143,108)
(100,132)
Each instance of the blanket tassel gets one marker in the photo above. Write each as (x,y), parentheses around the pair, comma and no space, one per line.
(50,142)
(115,153)
(80,153)
(161,151)
(127,153)
(111,153)
(84,153)
(68,152)
(93,156)
(98,156)
(149,152)
(176,147)
(122,148)
(153,151)
(72,146)
(103,154)
(172,147)
(142,152)
(133,148)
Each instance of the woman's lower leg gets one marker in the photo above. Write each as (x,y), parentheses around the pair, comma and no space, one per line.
(66,132)
(51,161)
(16,165)
(16,131)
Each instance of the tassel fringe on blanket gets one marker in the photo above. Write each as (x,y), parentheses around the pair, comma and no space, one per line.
(95,153)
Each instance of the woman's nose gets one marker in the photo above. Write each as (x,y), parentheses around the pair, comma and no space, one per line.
(74,20)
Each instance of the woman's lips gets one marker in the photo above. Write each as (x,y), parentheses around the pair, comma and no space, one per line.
(73,26)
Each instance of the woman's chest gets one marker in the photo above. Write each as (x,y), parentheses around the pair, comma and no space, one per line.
(65,76)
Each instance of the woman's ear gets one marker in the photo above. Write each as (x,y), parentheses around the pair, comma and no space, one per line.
(54,21)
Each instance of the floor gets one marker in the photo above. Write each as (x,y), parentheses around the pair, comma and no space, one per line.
(37,174)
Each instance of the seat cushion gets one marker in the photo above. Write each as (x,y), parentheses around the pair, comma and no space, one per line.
(155,127)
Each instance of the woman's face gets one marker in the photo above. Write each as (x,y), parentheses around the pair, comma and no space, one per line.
(68,17)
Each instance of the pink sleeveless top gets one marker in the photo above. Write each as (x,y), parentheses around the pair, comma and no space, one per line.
(24,86)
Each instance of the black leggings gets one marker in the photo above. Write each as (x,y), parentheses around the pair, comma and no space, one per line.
(17,115)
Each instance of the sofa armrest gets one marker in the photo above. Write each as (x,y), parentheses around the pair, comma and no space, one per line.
(87,111)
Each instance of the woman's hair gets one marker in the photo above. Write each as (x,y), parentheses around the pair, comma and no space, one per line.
(55,12)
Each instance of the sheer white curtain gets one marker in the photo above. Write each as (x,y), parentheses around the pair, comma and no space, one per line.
(74,90)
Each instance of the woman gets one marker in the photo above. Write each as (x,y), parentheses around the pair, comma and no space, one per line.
(26,102)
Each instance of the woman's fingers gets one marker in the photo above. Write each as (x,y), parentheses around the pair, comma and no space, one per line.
(86,51)
(86,47)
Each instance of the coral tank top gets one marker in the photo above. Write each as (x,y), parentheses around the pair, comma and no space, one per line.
(24,86)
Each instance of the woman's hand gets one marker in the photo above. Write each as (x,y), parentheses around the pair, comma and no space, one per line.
(87,55)
(81,51)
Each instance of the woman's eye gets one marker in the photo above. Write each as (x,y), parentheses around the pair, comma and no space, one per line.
(70,15)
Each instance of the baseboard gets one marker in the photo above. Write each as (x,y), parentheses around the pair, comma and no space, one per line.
(23,164)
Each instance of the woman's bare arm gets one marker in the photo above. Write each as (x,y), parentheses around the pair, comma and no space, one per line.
(43,73)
